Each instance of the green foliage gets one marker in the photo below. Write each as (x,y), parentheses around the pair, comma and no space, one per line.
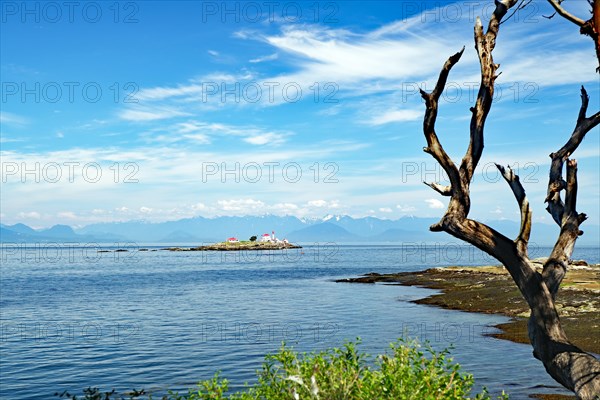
(406,372)
(253,238)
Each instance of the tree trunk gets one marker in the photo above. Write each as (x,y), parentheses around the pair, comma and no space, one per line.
(573,368)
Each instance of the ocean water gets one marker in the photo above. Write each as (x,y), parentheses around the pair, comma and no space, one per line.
(73,317)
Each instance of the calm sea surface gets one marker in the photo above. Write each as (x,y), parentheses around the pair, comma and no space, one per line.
(72,317)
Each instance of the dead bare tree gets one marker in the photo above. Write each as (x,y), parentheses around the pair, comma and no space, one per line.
(590,28)
(567,364)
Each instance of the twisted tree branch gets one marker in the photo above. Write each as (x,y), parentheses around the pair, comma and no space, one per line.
(513,181)
(443,190)
(565,214)
(556,183)
(565,14)
(434,147)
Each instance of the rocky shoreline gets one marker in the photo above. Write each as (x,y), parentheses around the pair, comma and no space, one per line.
(491,290)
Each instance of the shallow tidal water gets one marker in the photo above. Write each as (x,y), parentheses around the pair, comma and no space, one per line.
(72,317)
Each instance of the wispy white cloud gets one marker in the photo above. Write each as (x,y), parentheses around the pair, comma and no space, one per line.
(380,62)
(68,215)
(160,92)
(569,68)
(317,203)
(405,208)
(434,203)
(12,119)
(270,57)
(5,139)
(285,208)
(352,59)
(130,177)
(29,215)
(202,132)
(265,138)
(331,204)
(245,205)
(150,115)
(395,116)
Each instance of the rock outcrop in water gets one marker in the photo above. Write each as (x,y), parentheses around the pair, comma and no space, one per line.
(239,246)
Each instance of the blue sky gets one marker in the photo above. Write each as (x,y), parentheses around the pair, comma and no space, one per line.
(159,111)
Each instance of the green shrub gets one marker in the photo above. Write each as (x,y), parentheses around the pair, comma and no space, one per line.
(406,372)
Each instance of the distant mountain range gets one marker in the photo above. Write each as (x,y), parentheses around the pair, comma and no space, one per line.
(21,233)
(331,228)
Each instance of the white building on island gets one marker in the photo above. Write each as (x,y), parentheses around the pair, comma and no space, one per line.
(266,238)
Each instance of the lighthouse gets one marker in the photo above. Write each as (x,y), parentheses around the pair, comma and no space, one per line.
(273,236)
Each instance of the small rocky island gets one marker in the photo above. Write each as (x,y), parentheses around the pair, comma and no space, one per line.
(266,242)
(240,246)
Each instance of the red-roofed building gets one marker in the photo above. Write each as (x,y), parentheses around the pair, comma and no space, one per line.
(232,240)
